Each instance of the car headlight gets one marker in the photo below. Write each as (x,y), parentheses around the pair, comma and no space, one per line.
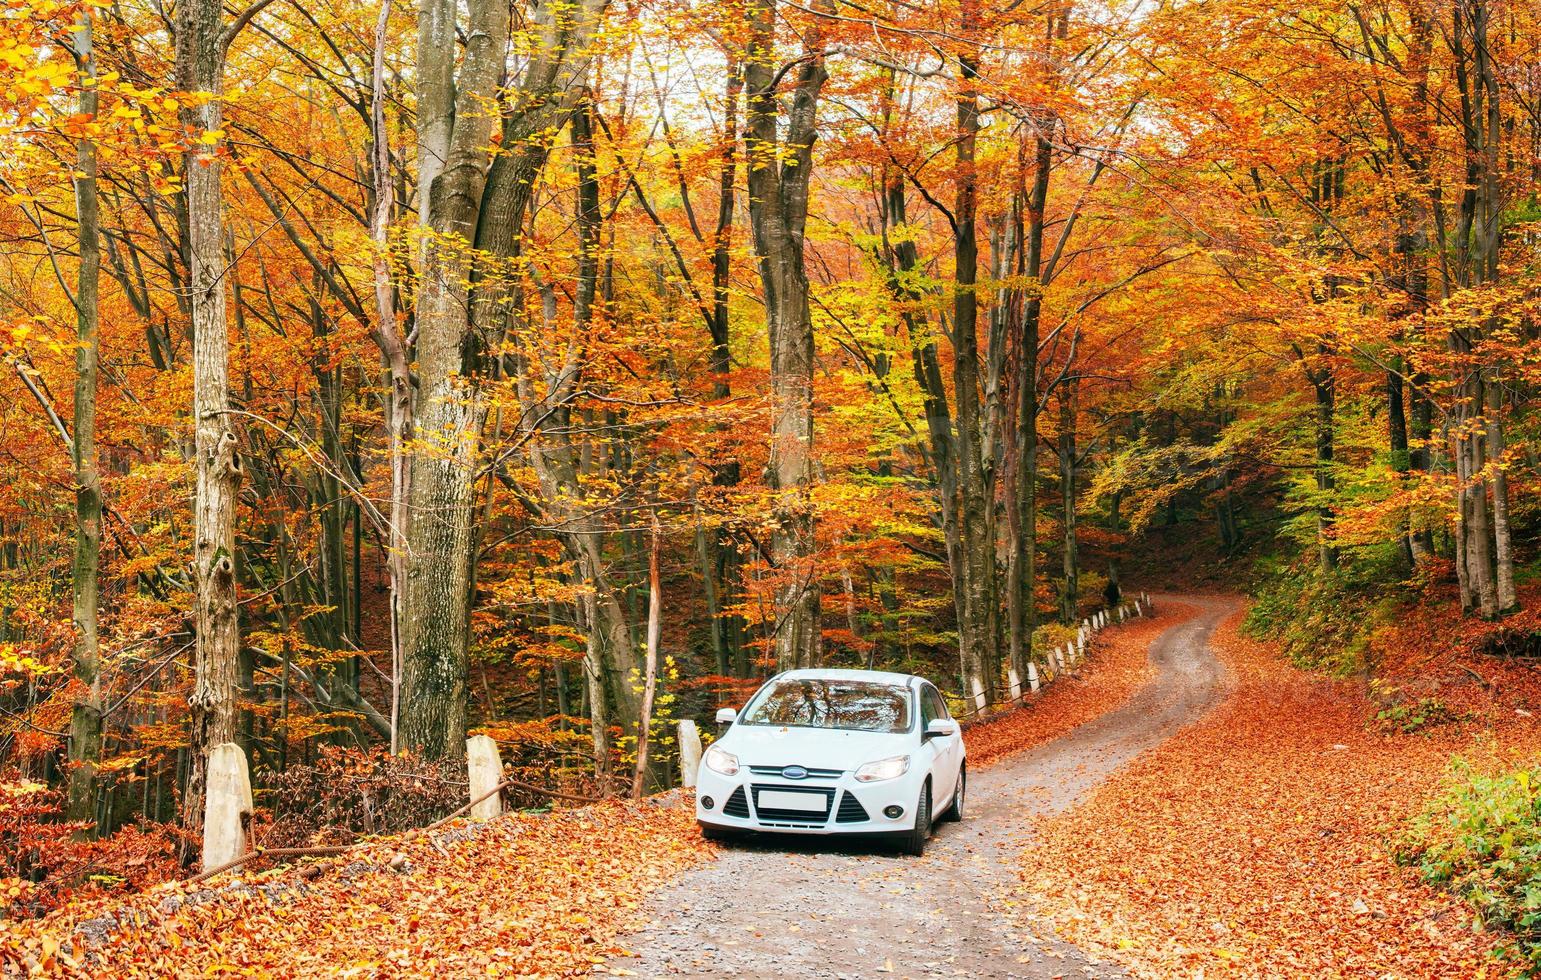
(882,769)
(722,762)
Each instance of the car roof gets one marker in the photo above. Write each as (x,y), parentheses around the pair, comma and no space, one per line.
(842,674)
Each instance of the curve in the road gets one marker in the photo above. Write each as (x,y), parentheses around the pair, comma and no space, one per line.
(811,908)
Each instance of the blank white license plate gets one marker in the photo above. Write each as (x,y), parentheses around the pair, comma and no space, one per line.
(810,802)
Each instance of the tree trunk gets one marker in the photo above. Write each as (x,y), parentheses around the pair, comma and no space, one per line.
(450,411)
(1070,592)
(1022,613)
(86,719)
(978,632)
(393,351)
(650,672)
(778,210)
(1396,438)
(1323,384)
(200,57)
(719,561)
(1503,554)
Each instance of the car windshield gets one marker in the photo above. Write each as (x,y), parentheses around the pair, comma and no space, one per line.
(808,702)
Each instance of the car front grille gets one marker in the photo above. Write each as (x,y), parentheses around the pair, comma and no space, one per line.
(793,818)
(737,805)
(851,810)
(812,773)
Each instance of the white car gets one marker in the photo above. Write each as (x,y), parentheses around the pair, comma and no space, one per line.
(835,752)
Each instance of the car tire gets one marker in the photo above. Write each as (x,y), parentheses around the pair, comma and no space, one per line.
(915,841)
(719,835)
(954,813)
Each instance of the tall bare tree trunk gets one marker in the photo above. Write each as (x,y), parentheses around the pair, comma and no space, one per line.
(979,631)
(1488,116)
(1503,553)
(1071,557)
(778,211)
(450,411)
(1323,383)
(200,61)
(650,672)
(718,560)
(1021,612)
(476,208)
(86,719)
(398,409)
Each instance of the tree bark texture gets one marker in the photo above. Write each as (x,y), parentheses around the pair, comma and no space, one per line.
(200,57)
(85,745)
(778,210)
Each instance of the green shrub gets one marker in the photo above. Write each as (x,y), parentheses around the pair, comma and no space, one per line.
(1050,636)
(1322,621)
(1415,717)
(1480,838)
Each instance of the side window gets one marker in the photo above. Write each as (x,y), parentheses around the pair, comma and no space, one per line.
(928,707)
(937,705)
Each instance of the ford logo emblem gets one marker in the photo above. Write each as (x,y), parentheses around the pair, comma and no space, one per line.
(795,772)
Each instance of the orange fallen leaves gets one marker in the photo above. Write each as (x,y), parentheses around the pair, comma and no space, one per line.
(1254,844)
(524,896)
(1117,666)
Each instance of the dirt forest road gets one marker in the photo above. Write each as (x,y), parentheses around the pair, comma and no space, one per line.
(807,908)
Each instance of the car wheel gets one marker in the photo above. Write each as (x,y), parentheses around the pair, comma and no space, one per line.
(720,835)
(915,841)
(954,812)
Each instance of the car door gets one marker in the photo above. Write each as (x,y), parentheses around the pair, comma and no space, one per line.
(948,749)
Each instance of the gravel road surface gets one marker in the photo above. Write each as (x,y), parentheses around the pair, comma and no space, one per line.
(809,907)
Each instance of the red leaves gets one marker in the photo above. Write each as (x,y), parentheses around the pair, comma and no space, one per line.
(1253,844)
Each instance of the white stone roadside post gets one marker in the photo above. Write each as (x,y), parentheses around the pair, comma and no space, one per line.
(227,805)
(690,753)
(1032,677)
(484,771)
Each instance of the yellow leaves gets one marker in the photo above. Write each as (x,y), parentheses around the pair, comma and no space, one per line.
(211,137)
(13,661)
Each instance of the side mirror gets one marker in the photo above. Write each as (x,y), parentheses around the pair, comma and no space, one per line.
(726,716)
(941,727)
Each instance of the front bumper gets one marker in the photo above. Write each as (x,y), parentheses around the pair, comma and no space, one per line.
(751,801)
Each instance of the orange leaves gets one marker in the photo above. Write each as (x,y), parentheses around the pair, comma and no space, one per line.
(1253,844)
(525,896)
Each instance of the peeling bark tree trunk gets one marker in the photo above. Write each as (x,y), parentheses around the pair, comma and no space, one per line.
(393,350)
(778,210)
(86,719)
(200,61)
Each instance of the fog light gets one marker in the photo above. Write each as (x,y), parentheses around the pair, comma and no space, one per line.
(893,811)
(706,801)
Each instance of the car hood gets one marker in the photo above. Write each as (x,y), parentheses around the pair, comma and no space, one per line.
(812,748)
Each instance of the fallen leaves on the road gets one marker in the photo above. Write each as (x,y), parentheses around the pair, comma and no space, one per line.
(1256,842)
(1117,666)
(523,896)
